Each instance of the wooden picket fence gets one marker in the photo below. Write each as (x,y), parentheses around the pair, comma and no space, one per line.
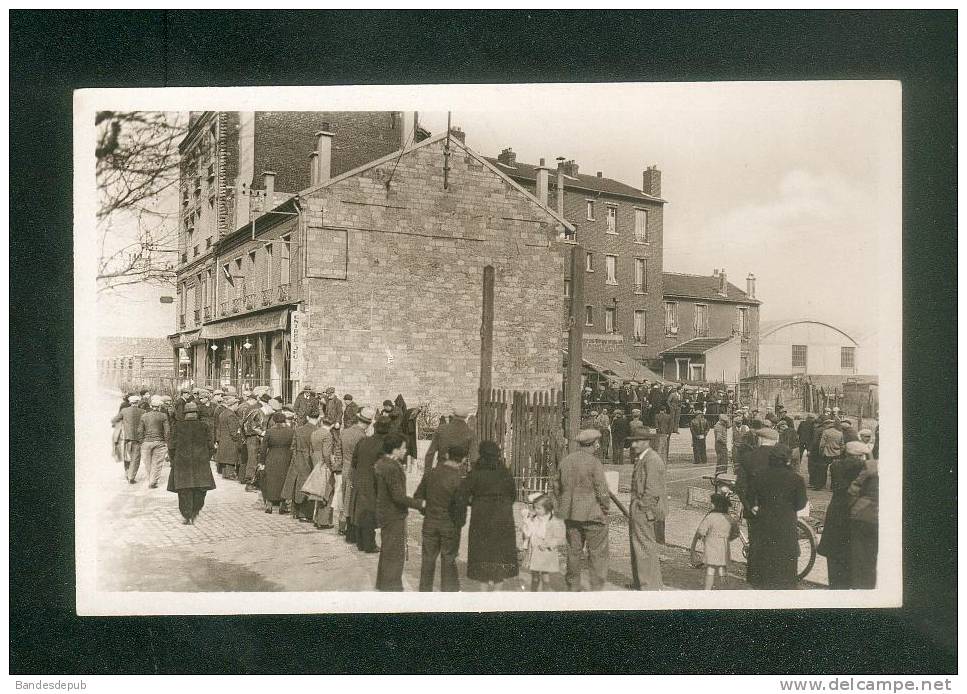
(532,437)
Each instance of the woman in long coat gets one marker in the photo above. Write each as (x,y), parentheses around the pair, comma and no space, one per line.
(490,492)
(275,454)
(191,449)
(864,516)
(835,541)
(301,466)
(776,493)
(228,432)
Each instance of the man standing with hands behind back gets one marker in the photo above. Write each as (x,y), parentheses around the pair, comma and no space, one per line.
(647,509)
(581,497)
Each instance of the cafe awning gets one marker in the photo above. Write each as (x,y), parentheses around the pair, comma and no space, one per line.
(184,340)
(248,324)
(618,365)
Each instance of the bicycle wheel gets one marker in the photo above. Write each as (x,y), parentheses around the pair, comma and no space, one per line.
(697,552)
(807,549)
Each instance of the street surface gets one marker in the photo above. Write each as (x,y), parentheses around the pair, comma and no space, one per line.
(235,546)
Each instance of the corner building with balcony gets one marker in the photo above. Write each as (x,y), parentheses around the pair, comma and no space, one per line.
(384,267)
(620,229)
(232,296)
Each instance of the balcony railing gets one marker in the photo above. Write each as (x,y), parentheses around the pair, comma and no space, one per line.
(250,302)
(208,313)
(641,238)
(181,321)
(236,305)
(223,309)
(267,297)
(284,293)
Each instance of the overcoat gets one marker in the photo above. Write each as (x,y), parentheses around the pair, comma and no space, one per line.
(229,436)
(363,502)
(301,465)
(492,540)
(456,432)
(581,489)
(834,541)
(774,546)
(275,453)
(190,450)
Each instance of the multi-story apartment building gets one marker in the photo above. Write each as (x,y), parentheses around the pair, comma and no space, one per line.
(619,227)
(711,328)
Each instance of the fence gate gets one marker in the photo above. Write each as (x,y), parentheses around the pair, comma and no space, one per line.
(538,441)
(491,422)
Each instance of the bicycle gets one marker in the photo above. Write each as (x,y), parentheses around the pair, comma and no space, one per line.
(725,484)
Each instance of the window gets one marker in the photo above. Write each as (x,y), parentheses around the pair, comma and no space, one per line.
(847,357)
(641,276)
(202,282)
(681,369)
(641,226)
(609,320)
(590,210)
(611,265)
(701,320)
(567,287)
(696,372)
(799,357)
(588,315)
(211,287)
(743,321)
(239,279)
(641,320)
(268,266)
(612,220)
(284,261)
(671,318)
(589,263)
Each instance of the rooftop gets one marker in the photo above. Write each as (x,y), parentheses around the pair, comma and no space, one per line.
(698,345)
(702,287)
(599,184)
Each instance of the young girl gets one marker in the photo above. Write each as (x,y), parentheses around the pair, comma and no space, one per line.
(717,529)
(544,533)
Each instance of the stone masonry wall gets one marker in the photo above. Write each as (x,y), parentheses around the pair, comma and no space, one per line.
(406,318)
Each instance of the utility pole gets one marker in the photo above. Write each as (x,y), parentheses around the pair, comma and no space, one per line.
(487,331)
(575,336)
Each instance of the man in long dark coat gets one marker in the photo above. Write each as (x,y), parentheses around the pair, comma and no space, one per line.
(392,508)
(753,463)
(647,507)
(456,432)
(620,428)
(699,429)
(228,435)
(367,452)
(351,436)
(301,466)
(191,451)
(674,402)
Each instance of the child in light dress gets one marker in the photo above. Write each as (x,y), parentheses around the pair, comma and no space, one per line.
(717,529)
(544,535)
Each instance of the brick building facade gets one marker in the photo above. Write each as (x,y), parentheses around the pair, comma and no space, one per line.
(371,281)
(620,228)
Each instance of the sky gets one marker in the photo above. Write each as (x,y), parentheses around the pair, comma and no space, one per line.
(798,183)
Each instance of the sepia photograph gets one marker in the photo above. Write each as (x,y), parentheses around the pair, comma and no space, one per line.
(512,347)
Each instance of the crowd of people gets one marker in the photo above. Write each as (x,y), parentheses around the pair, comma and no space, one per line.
(327,461)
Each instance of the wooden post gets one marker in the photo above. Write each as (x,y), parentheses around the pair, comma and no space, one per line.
(575,345)
(487,330)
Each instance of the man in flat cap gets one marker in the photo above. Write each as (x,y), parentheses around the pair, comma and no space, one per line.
(581,496)
(333,407)
(351,436)
(302,400)
(456,432)
(647,510)
(130,418)
(721,434)
(154,434)
(253,428)
(699,430)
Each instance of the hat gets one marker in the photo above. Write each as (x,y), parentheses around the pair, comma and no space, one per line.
(636,411)
(229,400)
(330,390)
(156,401)
(387,403)
(534,496)
(845,423)
(769,434)
(588,436)
(366,414)
(461,411)
(857,448)
(347,396)
(264,397)
(259,391)
(275,404)
(218,391)
(307,386)
(134,398)
(592,413)
(202,393)
(865,432)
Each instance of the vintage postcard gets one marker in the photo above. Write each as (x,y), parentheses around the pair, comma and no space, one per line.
(488,348)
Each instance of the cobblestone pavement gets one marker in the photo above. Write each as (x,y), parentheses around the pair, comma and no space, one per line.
(235,546)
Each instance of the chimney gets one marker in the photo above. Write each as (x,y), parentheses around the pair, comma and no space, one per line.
(723,283)
(324,150)
(314,169)
(750,285)
(543,177)
(560,186)
(508,157)
(457,133)
(715,272)
(268,178)
(570,168)
(651,181)
(600,173)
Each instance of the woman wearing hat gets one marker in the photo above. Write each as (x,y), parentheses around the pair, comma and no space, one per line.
(275,454)
(190,449)
(835,540)
(490,492)
(775,495)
